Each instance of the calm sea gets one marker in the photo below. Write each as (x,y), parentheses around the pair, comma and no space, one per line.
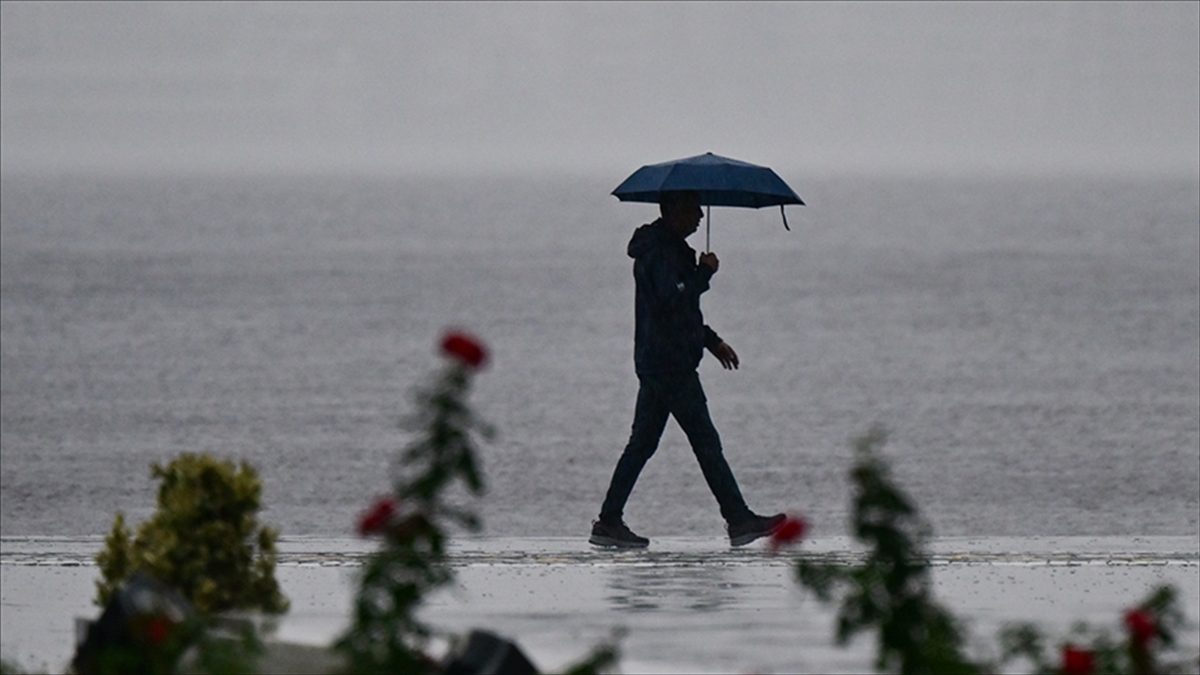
(1032,344)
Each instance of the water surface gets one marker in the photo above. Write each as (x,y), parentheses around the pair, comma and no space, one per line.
(1032,344)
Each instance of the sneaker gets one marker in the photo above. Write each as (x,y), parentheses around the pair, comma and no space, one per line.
(616,536)
(754,527)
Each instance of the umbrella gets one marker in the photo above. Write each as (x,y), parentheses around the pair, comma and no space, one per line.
(720,181)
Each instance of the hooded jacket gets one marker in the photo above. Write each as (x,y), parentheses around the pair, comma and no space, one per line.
(669,330)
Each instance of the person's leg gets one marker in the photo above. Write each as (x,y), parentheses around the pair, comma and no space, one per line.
(688,405)
(649,420)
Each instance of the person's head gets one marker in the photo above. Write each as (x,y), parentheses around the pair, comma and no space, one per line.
(681,212)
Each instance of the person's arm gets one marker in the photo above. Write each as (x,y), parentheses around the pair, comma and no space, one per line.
(670,286)
(711,339)
(720,349)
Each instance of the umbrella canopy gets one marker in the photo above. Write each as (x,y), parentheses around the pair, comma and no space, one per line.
(720,181)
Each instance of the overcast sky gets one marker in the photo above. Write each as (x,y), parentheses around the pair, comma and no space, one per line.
(605,86)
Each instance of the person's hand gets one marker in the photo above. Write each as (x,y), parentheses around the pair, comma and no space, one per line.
(726,355)
(710,259)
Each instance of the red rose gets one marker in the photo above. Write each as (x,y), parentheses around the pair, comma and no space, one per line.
(1141,626)
(1076,661)
(158,629)
(465,348)
(377,519)
(790,531)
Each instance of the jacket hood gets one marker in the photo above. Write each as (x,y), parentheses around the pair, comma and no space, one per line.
(647,238)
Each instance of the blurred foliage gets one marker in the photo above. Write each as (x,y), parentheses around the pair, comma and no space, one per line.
(891,591)
(198,646)
(385,636)
(203,539)
(1151,653)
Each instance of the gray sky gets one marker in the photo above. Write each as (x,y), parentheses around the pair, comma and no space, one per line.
(600,87)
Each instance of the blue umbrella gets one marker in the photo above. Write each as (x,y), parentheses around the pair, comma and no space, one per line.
(720,181)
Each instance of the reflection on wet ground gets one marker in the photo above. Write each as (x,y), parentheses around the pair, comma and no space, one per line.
(687,588)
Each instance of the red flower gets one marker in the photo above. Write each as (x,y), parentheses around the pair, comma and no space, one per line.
(790,531)
(464,347)
(1076,661)
(376,520)
(1141,626)
(158,629)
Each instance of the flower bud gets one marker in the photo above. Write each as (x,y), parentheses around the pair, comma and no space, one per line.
(465,348)
(375,520)
(1076,661)
(791,530)
(1141,626)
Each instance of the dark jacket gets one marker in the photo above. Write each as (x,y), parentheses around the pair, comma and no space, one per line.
(669,331)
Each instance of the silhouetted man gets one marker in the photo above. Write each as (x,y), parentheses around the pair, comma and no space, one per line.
(669,340)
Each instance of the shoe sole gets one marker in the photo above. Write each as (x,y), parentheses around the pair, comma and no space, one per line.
(743,539)
(609,542)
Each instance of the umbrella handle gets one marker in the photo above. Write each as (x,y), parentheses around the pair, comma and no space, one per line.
(708,228)
(784,214)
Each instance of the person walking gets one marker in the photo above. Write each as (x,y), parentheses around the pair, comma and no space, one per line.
(670,337)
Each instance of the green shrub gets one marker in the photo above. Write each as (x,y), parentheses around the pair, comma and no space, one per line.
(891,592)
(203,539)
(385,634)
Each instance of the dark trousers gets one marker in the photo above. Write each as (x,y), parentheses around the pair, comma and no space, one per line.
(678,395)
